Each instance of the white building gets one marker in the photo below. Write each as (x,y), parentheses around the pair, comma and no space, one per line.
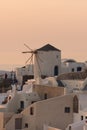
(70,65)
(20,72)
(82,125)
(79,112)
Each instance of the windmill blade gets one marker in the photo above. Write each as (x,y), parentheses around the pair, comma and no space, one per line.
(27,52)
(29,59)
(27,46)
(32,69)
(31,63)
(34,52)
(31,51)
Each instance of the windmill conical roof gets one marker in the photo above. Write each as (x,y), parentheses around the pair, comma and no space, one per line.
(48,47)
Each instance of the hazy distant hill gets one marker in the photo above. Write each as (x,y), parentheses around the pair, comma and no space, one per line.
(8,67)
(4,71)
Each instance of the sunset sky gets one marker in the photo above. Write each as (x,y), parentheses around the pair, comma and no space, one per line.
(61,23)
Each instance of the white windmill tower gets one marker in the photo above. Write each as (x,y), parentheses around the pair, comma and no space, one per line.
(34,58)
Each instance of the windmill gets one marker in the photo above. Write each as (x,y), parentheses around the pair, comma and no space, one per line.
(34,59)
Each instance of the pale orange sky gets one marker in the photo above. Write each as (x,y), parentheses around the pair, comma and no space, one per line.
(62,23)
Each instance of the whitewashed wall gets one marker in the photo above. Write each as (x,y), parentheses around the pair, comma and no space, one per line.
(66,67)
(71,85)
(49,59)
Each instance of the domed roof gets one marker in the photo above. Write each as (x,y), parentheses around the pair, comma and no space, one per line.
(68,60)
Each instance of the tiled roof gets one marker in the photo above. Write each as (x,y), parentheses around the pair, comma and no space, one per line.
(48,47)
(73,75)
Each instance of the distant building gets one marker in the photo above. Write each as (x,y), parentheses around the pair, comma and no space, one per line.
(25,71)
(70,65)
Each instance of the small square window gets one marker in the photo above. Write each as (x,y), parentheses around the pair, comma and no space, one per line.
(33,102)
(79,68)
(26,125)
(67,109)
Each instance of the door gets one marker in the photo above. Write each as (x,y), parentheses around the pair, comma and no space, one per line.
(56,70)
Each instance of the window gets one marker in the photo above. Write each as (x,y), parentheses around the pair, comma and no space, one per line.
(45,96)
(85,117)
(67,109)
(75,104)
(18,123)
(22,104)
(26,125)
(81,117)
(72,69)
(31,111)
(79,68)
(33,102)
(69,127)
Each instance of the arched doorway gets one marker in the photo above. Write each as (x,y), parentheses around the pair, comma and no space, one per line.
(56,71)
(75,104)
